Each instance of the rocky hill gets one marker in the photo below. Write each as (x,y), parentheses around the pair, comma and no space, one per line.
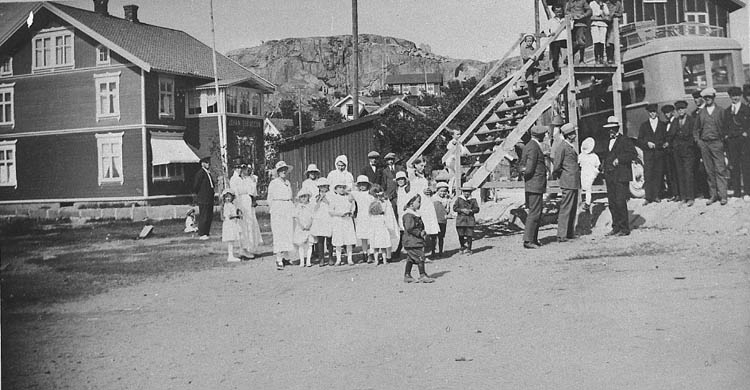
(321,66)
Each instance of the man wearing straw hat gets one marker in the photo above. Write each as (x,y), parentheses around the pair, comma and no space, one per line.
(618,172)
(535,175)
(204,186)
(567,169)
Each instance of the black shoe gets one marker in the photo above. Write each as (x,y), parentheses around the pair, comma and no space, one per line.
(623,233)
(613,232)
(530,245)
(562,239)
(537,243)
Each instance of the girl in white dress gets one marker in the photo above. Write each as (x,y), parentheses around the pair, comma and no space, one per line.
(589,162)
(362,223)
(341,208)
(230,227)
(322,222)
(282,213)
(303,238)
(385,231)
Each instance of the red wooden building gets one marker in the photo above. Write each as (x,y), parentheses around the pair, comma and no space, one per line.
(95,107)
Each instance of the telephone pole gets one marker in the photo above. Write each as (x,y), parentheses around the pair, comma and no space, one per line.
(355,46)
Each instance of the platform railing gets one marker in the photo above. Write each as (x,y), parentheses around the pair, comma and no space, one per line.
(643,35)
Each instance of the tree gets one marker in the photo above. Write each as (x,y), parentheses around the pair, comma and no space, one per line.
(333,117)
(320,106)
(402,133)
(287,109)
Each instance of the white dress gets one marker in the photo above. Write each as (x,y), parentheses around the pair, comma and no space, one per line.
(311,186)
(342,229)
(230,227)
(589,163)
(385,231)
(426,208)
(322,221)
(282,214)
(362,223)
(302,223)
(244,189)
(336,176)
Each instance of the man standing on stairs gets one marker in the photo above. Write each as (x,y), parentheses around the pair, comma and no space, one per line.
(617,174)
(580,12)
(535,175)
(567,169)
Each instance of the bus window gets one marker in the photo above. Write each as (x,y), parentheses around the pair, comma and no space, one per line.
(721,71)
(633,89)
(693,72)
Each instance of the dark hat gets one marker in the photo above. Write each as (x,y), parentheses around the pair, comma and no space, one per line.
(667,108)
(680,104)
(735,91)
(696,94)
(746,89)
(652,107)
(206,159)
(539,130)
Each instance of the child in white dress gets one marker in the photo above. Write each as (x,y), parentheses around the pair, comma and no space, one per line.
(322,222)
(589,162)
(303,238)
(385,230)
(341,208)
(362,223)
(230,227)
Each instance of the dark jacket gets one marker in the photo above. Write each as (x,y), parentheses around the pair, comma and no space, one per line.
(375,176)
(737,124)
(413,231)
(388,181)
(579,10)
(534,168)
(681,135)
(203,187)
(624,151)
(565,166)
(465,210)
(646,135)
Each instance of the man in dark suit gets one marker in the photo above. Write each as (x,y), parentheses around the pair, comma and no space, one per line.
(373,173)
(388,176)
(673,185)
(535,174)
(203,188)
(683,151)
(652,138)
(738,143)
(617,174)
(567,169)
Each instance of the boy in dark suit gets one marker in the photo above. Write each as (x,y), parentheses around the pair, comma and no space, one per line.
(465,208)
(738,143)
(203,188)
(652,139)
(683,151)
(618,173)
(535,174)
(373,173)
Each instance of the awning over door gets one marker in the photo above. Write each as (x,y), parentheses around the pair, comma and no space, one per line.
(171,148)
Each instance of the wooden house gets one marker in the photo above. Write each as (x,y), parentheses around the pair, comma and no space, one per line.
(415,83)
(99,108)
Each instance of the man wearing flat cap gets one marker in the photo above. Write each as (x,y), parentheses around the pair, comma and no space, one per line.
(709,134)
(535,175)
(652,137)
(566,168)
(388,176)
(204,187)
(738,143)
(371,170)
(618,173)
(683,151)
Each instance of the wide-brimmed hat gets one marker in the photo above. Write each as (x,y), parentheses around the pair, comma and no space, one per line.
(539,130)
(557,120)
(282,164)
(303,192)
(373,154)
(441,184)
(227,191)
(363,179)
(390,156)
(708,92)
(401,175)
(568,128)
(312,168)
(612,122)
(322,182)
(467,187)
(588,145)
(339,183)
(528,35)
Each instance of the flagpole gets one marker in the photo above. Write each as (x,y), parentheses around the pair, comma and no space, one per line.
(220,122)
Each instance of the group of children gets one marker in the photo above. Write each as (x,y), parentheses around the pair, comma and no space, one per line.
(337,218)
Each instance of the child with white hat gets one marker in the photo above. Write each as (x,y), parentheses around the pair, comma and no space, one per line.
(322,222)
(341,209)
(230,227)
(589,162)
(362,222)
(303,238)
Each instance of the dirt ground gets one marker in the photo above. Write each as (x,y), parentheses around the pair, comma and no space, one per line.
(666,308)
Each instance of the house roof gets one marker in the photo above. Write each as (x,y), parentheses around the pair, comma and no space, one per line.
(734,5)
(363,100)
(401,103)
(13,16)
(148,46)
(414,78)
(330,129)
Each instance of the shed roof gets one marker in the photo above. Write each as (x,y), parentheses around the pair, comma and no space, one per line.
(330,129)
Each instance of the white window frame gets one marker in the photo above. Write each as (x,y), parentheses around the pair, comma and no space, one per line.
(6,67)
(5,88)
(203,97)
(107,79)
(696,16)
(52,34)
(10,165)
(166,112)
(99,51)
(114,139)
(174,172)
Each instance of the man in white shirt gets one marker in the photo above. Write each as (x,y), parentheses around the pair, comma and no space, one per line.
(556,46)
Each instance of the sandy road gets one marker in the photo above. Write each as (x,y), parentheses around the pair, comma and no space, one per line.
(661,309)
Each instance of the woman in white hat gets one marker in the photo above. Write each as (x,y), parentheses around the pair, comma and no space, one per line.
(362,222)
(341,173)
(244,184)
(589,162)
(312,174)
(282,213)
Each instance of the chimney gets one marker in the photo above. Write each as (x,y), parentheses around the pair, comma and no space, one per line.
(131,13)
(100,7)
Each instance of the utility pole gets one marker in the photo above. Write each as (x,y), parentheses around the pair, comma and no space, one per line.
(537,29)
(299,108)
(355,46)
(222,130)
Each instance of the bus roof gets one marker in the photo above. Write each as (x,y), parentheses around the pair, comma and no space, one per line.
(681,44)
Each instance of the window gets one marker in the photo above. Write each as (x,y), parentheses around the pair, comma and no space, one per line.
(245,102)
(6,67)
(53,49)
(8,164)
(696,17)
(168,172)
(102,55)
(166,97)
(722,74)
(232,100)
(201,102)
(256,103)
(6,104)
(633,89)
(110,157)
(107,95)
(693,72)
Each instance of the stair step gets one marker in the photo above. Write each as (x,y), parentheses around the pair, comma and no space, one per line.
(508,119)
(595,69)
(513,108)
(494,130)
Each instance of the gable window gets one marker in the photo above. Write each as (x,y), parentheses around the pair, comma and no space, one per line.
(6,67)
(201,102)
(107,95)
(109,149)
(256,103)
(6,104)
(168,172)
(166,97)
(8,164)
(102,55)
(53,49)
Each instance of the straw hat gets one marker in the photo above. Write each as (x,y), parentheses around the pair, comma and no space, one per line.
(612,121)
(441,184)
(390,156)
(282,164)
(303,192)
(323,182)
(312,168)
(588,145)
(567,128)
(467,187)
(363,179)
(373,154)
(400,175)
(708,92)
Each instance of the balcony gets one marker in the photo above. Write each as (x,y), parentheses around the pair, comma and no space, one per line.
(638,34)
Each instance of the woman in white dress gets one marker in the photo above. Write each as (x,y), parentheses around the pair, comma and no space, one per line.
(282,213)
(341,174)
(244,184)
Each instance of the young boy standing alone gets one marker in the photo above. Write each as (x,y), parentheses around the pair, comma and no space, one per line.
(413,241)
(465,208)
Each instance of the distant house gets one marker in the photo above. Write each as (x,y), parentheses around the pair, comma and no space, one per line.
(273,126)
(415,83)
(402,105)
(100,108)
(346,106)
